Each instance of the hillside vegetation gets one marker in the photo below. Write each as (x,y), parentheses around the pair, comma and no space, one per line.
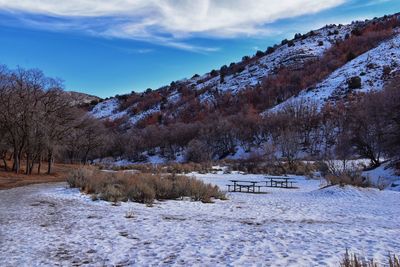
(297,99)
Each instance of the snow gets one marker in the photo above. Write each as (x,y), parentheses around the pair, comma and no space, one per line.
(144,114)
(108,109)
(50,225)
(383,177)
(335,86)
(155,159)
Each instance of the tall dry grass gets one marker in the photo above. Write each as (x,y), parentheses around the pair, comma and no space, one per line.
(352,260)
(141,187)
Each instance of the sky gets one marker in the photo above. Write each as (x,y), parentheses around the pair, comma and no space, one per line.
(114,47)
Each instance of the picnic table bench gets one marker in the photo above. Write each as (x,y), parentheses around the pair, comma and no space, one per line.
(244,186)
(255,186)
(281,182)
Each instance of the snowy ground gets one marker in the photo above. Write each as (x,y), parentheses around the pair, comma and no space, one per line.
(55,226)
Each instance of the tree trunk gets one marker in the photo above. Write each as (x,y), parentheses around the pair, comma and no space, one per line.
(28,156)
(86,157)
(5,164)
(16,163)
(39,164)
(49,161)
(31,166)
(19,155)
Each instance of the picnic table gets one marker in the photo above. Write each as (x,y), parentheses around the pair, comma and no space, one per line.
(281,182)
(255,186)
(244,186)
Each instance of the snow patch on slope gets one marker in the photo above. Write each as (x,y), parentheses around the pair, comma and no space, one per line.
(142,115)
(108,109)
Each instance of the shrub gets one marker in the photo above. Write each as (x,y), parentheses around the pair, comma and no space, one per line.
(141,192)
(214,73)
(386,71)
(260,53)
(350,56)
(111,192)
(142,188)
(269,50)
(197,152)
(290,43)
(354,82)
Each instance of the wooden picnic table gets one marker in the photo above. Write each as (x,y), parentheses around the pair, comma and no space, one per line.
(250,186)
(255,186)
(280,181)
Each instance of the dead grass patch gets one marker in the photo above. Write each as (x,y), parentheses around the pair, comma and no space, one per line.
(141,187)
(352,178)
(353,260)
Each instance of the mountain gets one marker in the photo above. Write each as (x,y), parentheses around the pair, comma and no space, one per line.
(172,100)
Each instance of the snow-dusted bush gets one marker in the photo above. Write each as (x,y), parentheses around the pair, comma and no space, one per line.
(141,187)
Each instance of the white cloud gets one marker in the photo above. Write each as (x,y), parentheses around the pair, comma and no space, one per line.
(167,22)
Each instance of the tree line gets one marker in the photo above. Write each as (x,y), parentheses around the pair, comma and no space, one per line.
(39,122)
(364,125)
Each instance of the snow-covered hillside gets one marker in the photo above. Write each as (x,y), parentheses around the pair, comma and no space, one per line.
(108,109)
(370,67)
(374,68)
(309,46)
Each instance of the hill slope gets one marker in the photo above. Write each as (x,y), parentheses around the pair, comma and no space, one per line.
(375,68)
(221,114)
(171,101)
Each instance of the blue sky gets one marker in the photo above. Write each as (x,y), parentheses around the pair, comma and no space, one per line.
(104,48)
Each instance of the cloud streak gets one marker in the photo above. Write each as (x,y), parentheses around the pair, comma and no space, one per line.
(165,22)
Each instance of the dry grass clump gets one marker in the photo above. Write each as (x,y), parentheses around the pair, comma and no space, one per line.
(352,178)
(141,187)
(352,260)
